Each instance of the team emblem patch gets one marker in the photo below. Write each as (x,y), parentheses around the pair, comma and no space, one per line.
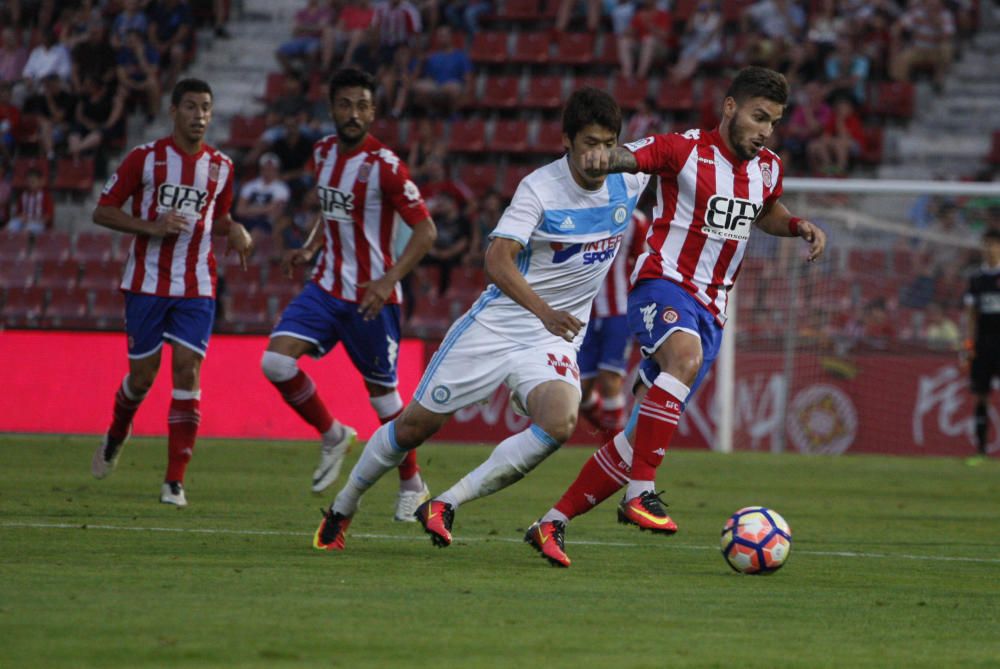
(765,174)
(441,394)
(669,316)
(621,213)
(363,172)
(213,172)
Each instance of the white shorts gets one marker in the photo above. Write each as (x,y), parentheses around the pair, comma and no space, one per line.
(473,360)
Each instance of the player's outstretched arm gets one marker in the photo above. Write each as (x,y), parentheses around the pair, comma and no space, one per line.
(778,221)
(600,160)
(501,268)
(378,291)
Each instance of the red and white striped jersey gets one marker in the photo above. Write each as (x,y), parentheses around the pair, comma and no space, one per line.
(707,200)
(160,177)
(361,193)
(396,25)
(35,206)
(612,298)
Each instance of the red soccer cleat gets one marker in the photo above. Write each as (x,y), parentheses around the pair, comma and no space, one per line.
(548,539)
(330,533)
(436,517)
(647,512)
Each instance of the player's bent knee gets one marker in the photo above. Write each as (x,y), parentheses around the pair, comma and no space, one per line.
(559,428)
(278,367)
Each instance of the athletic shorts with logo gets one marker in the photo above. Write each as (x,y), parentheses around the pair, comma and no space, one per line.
(151,319)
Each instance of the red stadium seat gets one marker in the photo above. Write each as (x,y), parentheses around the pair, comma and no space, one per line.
(607,52)
(574,49)
(683,10)
(862,261)
(489,48)
(53,245)
(386,130)
(549,139)
(20,168)
(894,99)
(501,92)
(74,175)
(14,246)
(479,178)
(274,88)
(431,316)
(544,92)
(630,93)
(510,136)
(100,276)
(467,136)
(67,308)
(248,313)
(676,97)
(244,131)
(871,150)
(107,309)
(23,307)
(593,81)
(532,48)
(519,10)
(94,247)
(17,273)
(512,177)
(57,274)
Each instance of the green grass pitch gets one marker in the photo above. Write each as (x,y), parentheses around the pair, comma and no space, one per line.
(895,562)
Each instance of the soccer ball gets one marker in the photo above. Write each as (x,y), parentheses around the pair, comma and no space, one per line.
(756,540)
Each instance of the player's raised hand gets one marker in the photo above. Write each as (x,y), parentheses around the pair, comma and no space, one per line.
(562,324)
(295,258)
(813,234)
(596,161)
(374,296)
(169,223)
(240,241)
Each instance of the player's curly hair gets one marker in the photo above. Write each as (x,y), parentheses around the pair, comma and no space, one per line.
(759,82)
(349,77)
(590,105)
(189,85)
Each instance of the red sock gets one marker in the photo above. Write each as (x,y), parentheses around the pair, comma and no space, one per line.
(122,414)
(408,468)
(182,428)
(602,475)
(613,419)
(658,416)
(299,392)
(592,410)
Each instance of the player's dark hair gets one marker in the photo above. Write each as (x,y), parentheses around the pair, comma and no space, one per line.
(589,105)
(349,77)
(189,86)
(759,82)
(992,234)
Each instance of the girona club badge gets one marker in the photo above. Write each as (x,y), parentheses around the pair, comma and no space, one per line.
(669,316)
(765,174)
(364,171)
(213,172)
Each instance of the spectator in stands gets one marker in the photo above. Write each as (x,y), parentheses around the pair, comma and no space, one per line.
(453,236)
(73,23)
(438,182)
(487,214)
(348,36)
(262,200)
(774,27)
(139,73)
(847,70)
(568,7)
(649,32)
(291,232)
(171,33)
(292,102)
(294,151)
(53,110)
(940,331)
(33,208)
(644,122)
(397,25)
(806,123)
(307,32)
(842,139)
(49,57)
(98,114)
(95,57)
(445,76)
(10,119)
(701,41)
(923,37)
(425,148)
(465,14)
(131,18)
(13,56)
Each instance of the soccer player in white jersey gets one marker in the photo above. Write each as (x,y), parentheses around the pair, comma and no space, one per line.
(181,191)
(364,191)
(547,257)
(712,188)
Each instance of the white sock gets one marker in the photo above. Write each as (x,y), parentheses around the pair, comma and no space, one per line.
(412,484)
(387,406)
(614,402)
(513,457)
(555,515)
(335,433)
(381,455)
(636,488)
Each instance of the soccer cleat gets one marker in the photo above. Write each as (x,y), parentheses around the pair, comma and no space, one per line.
(548,539)
(436,517)
(646,511)
(331,457)
(172,492)
(407,502)
(330,533)
(106,456)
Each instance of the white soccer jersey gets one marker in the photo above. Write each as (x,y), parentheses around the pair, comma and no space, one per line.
(570,237)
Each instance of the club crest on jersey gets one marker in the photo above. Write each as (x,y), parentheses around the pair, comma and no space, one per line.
(730,217)
(620,214)
(213,172)
(181,198)
(669,316)
(364,171)
(765,174)
(441,394)
(335,203)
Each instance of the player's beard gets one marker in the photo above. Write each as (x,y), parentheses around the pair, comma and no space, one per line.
(352,132)
(737,137)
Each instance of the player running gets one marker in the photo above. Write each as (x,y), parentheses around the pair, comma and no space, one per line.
(354,295)
(712,187)
(181,191)
(547,257)
(982,344)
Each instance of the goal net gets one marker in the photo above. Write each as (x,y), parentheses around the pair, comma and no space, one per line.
(857,351)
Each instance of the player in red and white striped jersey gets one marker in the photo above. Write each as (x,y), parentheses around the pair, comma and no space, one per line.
(181,191)
(712,187)
(364,190)
(33,209)
(603,355)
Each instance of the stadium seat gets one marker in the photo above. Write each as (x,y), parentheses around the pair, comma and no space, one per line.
(510,136)
(274,87)
(531,48)
(467,136)
(489,48)
(431,317)
(544,92)
(683,10)
(57,274)
(574,49)
(607,52)
(629,93)
(20,168)
(594,81)
(23,306)
(549,139)
(466,283)
(98,276)
(244,280)
(512,177)
(479,178)
(244,131)
(519,10)
(17,272)
(676,98)
(249,313)
(867,261)
(437,130)
(871,150)
(894,99)
(14,246)
(995,149)
(76,176)
(67,308)
(53,245)
(107,309)
(501,92)
(386,130)
(94,247)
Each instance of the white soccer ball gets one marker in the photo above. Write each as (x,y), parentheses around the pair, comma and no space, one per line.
(756,540)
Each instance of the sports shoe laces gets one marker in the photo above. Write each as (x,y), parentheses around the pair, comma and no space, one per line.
(652,502)
(558,532)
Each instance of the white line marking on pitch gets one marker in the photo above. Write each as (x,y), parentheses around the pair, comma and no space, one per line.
(395,537)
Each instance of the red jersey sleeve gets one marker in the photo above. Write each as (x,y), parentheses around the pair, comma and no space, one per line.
(125,182)
(401,191)
(659,153)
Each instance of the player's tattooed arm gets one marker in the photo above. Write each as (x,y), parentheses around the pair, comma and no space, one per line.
(599,161)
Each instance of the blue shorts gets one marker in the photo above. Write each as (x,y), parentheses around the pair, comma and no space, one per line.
(149,319)
(317,317)
(606,346)
(656,309)
(299,46)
